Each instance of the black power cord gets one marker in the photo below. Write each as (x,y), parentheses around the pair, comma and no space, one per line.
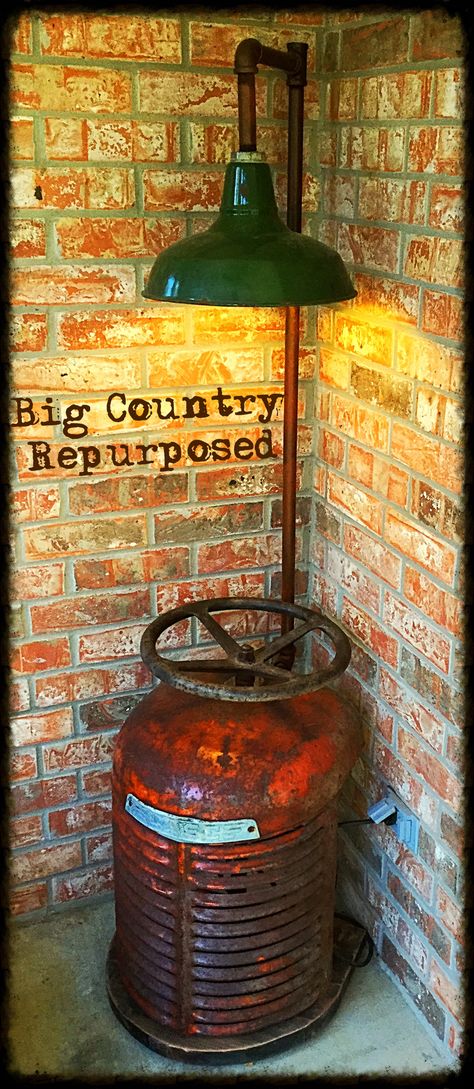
(368,945)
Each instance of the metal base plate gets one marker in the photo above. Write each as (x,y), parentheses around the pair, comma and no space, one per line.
(349,940)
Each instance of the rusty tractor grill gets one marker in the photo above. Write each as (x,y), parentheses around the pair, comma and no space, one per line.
(237,937)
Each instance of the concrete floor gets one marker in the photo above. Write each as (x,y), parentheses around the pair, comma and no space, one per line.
(61,1022)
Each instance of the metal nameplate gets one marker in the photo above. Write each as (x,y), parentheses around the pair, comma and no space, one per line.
(190,829)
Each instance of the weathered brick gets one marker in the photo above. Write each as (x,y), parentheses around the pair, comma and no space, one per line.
(213,44)
(129,492)
(443,315)
(427,361)
(393,394)
(19,695)
(373,247)
(394,771)
(197,94)
(197,523)
(46,861)
(239,553)
(431,770)
(80,752)
(449,93)
(432,459)
(358,584)
(376,44)
(73,187)
(328,523)
(415,630)
(436,34)
(453,833)
(25,831)
(430,728)
(434,855)
(71,538)
(434,689)
(36,504)
(96,782)
(47,726)
(245,324)
(86,683)
(219,366)
(241,585)
(334,368)
(434,260)
(80,611)
(450,915)
(390,200)
(182,190)
(28,332)
(30,898)
(331,448)
(440,606)
(46,285)
(141,37)
(396,299)
(417,544)
(21,39)
(28,239)
(436,150)
(446,208)
(99,847)
(80,818)
(164,563)
(56,87)
(23,765)
(366,148)
(44,793)
(119,329)
(76,373)
(107,714)
(447,990)
(105,237)
(373,554)
(361,506)
(395,95)
(280,99)
(422,919)
(41,655)
(85,883)
(370,632)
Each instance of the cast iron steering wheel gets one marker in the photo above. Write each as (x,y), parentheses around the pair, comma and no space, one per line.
(255,678)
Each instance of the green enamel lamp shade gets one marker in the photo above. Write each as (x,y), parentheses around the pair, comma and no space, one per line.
(249,257)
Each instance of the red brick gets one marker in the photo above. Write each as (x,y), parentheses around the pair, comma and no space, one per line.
(417,544)
(23,765)
(366,148)
(452,833)
(72,283)
(44,580)
(432,459)
(411,982)
(244,324)
(374,472)
(54,87)
(353,334)
(79,818)
(376,44)
(422,919)
(434,260)
(161,563)
(239,553)
(119,329)
(387,391)
(83,884)
(238,482)
(25,831)
(99,847)
(139,491)
(445,989)
(107,237)
(65,138)
(342,100)
(444,608)
(241,585)
(79,752)
(348,575)
(420,801)
(47,861)
(181,190)
(138,37)
(28,239)
(446,208)
(331,449)
(334,368)
(430,728)
(19,695)
(21,41)
(86,683)
(185,368)
(76,373)
(394,95)
(450,915)
(196,523)
(213,143)
(35,504)
(369,427)
(73,187)
(43,793)
(431,770)
(80,612)
(442,315)
(28,332)
(28,899)
(413,627)
(48,726)
(116,643)
(373,247)
(196,94)
(41,655)
(449,93)
(369,632)
(394,299)
(436,34)
(390,200)
(76,537)
(361,506)
(436,150)
(213,44)
(97,782)
(428,361)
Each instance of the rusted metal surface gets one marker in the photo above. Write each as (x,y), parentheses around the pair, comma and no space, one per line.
(260,680)
(214,940)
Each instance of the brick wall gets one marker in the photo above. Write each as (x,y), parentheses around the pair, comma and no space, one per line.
(121,126)
(385,555)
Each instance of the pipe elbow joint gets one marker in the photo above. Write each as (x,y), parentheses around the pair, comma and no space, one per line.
(247,57)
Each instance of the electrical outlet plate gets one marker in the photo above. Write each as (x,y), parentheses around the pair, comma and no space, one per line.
(406,826)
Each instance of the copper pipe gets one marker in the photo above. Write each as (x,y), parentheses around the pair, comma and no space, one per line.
(247,112)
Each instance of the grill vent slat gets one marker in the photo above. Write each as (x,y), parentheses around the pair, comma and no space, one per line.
(224,938)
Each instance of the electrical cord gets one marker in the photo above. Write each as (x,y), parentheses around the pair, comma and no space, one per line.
(368,944)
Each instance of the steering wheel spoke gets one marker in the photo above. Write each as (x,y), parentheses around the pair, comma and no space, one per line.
(250,675)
